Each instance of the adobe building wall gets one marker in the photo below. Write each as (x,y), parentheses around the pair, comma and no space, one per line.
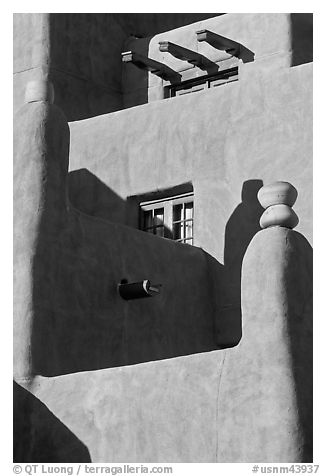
(252,403)
(31,52)
(268,42)
(81,54)
(163,411)
(227,142)
(69,316)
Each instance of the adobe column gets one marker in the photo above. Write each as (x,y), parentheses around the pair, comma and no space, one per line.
(265,402)
(41,155)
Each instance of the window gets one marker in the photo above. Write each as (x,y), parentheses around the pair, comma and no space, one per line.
(169,217)
(203,82)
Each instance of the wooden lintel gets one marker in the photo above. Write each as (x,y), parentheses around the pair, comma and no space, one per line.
(188,55)
(219,42)
(155,67)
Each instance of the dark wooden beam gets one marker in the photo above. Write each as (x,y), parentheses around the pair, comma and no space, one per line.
(219,42)
(188,55)
(155,67)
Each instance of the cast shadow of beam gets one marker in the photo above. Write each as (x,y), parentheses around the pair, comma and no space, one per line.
(301,38)
(223,43)
(39,436)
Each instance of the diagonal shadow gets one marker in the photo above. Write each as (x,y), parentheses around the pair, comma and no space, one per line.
(39,436)
(80,321)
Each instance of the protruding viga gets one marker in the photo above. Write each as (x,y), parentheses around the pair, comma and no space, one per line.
(41,154)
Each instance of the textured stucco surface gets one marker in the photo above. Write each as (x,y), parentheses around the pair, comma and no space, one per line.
(86,71)
(90,78)
(81,53)
(252,403)
(287,42)
(147,24)
(39,435)
(31,51)
(154,412)
(265,399)
(41,147)
(218,140)
(69,315)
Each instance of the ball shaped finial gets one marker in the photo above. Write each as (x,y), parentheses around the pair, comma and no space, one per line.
(279,215)
(39,90)
(277,193)
(278,198)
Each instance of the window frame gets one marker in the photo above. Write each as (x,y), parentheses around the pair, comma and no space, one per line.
(208,81)
(168,204)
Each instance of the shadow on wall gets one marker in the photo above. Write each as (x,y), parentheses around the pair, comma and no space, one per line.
(134,83)
(142,28)
(146,24)
(241,227)
(300,330)
(39,437)
(85,63)
(85,60)
(302,38)
(91,196)
(89,76)
(81,322)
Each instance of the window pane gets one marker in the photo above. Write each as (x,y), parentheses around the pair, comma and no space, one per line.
(148,219)
(171,218)
(188,229)
(188,210)
(182,230)
(176,231)
(177,209)
(158,216)
(159,231)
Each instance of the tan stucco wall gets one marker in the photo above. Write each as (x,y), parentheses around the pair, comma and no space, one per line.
(255,129)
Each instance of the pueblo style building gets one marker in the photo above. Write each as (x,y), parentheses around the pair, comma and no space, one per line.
(163,299)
